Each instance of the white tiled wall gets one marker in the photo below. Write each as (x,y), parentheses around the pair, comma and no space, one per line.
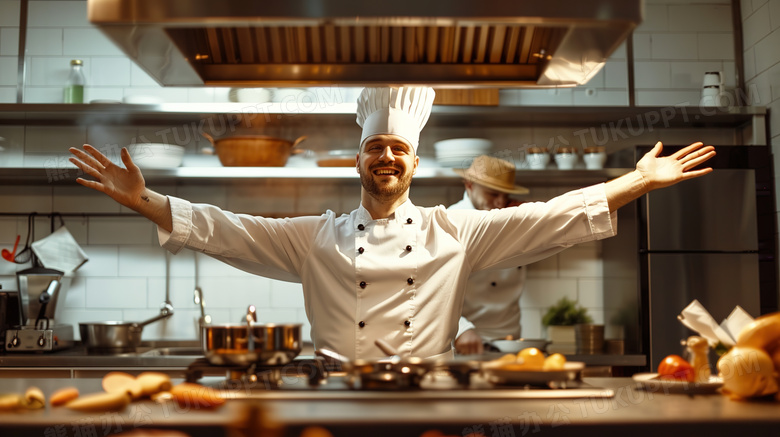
(761,21)
(125,277)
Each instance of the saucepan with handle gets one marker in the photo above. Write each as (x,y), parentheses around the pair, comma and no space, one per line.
(117,337)
(247,343)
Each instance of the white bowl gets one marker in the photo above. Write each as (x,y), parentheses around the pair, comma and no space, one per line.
(156,155)
(463,146)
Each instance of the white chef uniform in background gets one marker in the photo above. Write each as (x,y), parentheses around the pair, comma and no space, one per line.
(400,278)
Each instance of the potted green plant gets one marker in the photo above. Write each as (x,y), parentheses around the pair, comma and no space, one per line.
(561,318)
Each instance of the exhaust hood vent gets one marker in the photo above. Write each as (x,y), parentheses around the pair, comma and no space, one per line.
(507,43)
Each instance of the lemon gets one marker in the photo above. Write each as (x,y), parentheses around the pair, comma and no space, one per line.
(554,362)
(531,358)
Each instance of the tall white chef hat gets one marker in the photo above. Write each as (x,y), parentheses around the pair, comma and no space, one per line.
(399,111)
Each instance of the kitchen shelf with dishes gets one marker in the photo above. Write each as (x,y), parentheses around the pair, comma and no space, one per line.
(324,114)
(426,176)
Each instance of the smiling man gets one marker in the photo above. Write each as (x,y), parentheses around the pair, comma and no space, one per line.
(387,270)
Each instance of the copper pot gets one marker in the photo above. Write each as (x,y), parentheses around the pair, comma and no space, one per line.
(253,150)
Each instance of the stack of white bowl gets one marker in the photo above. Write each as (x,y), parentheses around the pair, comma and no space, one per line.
(459,152)
(156,155)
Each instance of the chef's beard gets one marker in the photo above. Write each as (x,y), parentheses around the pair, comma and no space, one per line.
(385,191)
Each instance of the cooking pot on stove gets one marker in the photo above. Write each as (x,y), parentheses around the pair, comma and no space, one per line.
(244,344)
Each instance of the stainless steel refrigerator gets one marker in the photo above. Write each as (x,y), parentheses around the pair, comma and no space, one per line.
(699,241)
(708,238)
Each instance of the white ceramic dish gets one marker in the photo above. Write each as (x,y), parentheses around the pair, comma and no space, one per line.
(156,155)
(463,146)
(650,382)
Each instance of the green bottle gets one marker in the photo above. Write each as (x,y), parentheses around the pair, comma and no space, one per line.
(74,90)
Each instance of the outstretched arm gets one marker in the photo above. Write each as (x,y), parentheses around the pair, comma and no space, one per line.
(654,171)
(125,185)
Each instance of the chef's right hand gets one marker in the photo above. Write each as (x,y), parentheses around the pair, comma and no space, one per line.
(125,185)
(469,343)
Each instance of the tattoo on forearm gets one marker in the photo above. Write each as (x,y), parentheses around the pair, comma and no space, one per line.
(145,199)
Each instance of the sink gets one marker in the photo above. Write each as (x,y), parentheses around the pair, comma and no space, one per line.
(177,351)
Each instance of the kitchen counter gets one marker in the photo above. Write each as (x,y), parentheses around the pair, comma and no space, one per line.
(631,411)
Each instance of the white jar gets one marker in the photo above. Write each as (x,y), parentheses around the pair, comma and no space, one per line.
(594,157)
(566,158)
(537,158)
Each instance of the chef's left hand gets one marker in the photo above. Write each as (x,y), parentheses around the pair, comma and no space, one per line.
(469,343)
(662,171)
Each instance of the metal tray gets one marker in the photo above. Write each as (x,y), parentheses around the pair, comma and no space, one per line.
(499,376)
(650,382)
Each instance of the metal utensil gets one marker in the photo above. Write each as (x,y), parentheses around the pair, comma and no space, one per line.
(115,337)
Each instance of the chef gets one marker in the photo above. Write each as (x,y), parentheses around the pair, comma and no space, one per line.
(389,269)
(491,309)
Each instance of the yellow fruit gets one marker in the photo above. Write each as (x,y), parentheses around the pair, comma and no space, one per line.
(554,362)
(531,358)
(763,333)
(747,372)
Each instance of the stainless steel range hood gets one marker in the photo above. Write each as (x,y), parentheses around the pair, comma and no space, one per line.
(498,43)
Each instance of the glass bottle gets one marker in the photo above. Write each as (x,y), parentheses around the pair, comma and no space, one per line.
(74,90)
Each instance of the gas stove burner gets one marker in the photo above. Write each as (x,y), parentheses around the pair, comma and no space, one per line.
(268,376)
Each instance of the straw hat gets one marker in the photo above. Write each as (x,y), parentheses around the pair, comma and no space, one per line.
(493,173)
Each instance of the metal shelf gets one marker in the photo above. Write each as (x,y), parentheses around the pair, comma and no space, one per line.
(430,176)
(325,114)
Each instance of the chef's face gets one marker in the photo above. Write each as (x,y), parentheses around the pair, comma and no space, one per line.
(484,198)
(386,165)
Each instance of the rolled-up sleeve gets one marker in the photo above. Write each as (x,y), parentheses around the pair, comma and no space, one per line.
(181,214)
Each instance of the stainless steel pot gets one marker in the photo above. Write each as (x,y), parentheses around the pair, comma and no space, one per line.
(117,337)
(244,344)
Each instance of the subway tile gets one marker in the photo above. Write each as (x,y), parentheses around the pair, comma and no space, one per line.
(50,71)
(774,14)
(87,42)
(656,19)
(749,63)
(110,71)
(691,74)
(729,70)
(590,292)
(168,95)
(545,97)
(185,135)
(773,75)
(262,198)
(306,328)
(42,94)
(53,139)
(653,74)
(236,293)
(182,325)
(600,97)
(209,267)
(616,74)
(544,292)
(211,194)
(286,294)
(221,316)
(709,18)
(57,14)
(9,13)
(140,78)
(673,46)
(7,95)
(755,27)
(9,41)
(619,54)
(73,297)
(119,230)
(103,261)
(8,69)
(531,323)
(716,46)
(642,46)
(142,261)
(119,293)
(274,315)
(43,42)
(25,199)
(183,264)
(661,97)
(580,261)
(73,317)
(766,51)
(82,200)
(180,290)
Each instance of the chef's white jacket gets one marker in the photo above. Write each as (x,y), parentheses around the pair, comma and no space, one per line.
(491,306)
(402,278)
